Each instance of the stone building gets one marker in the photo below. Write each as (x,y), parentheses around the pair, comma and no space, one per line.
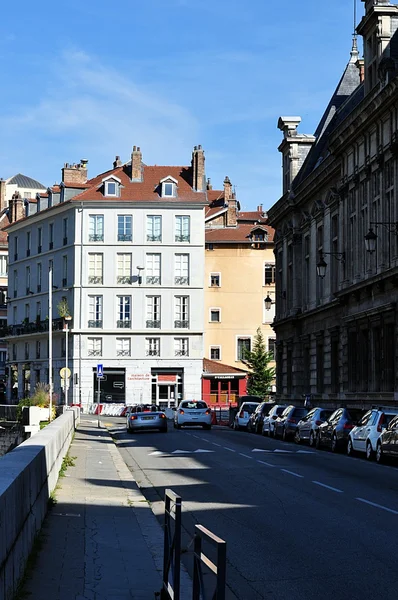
(336,240)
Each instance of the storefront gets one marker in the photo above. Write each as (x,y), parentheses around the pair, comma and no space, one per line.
(222,384)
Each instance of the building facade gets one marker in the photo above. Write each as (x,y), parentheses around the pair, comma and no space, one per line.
(126,253)
(336,314)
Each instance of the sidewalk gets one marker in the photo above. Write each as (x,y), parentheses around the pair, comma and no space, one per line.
(101,540)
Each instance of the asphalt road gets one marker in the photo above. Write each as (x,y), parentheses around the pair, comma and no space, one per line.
(299,523)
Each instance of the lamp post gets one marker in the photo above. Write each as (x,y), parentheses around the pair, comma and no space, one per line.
(321,265)
(67,318)
(371,236)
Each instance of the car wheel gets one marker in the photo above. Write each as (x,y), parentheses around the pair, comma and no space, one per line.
(208,427)
(369,451)
(297,437)
(312,439)
(258,430)
(350,449)
(379,453)
(334,443)
(129,430)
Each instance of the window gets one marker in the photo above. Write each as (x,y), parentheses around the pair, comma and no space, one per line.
(111,188)
(95,268)
(124,311)
(51,236)
(14,315)
(95,311)
(38,348)
(3,265)
(181,312)
(181,269)
(153,228)
(64,271)
(96,228)
(124,268)
(153,346)
(3,357)
(16,248)
(153,312)
(243,346)
(153,269)
(15,288)
(27,278)
(38,276)
(28,240)
(14,352)
(38,311)
(27,313)
(215,352)
(168,189)
(215,280)
(269,274)
(39,239)
(215,315)
(124,228)
(272,347)
(181,347)
(94,346)
(183,226)
(27,350)
(65,230)
(123,347)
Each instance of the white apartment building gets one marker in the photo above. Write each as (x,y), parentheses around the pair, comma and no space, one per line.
(126,250)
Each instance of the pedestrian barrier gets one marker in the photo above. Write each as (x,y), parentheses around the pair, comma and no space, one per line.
(172,546)
(218,568)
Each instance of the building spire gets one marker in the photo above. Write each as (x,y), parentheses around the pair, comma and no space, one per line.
(354,51)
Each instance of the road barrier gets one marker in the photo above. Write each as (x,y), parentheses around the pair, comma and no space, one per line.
(218,568)
(172,546)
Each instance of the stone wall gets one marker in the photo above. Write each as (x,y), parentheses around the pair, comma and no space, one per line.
(10,438)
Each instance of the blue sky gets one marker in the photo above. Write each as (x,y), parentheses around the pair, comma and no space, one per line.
(90,79)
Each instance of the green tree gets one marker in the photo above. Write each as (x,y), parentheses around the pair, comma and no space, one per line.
(261,375)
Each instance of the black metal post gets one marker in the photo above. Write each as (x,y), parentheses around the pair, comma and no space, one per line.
(172,546)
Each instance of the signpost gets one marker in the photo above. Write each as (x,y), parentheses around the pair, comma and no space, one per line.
(100,374)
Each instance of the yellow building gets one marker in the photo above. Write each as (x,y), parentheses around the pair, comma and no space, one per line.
(239,276)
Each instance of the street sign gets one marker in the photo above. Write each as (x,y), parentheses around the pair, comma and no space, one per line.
(100,371)
(65,373)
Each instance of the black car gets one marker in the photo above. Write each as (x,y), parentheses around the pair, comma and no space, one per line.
(307,428)
(256,420)
(387,444)
(286,424)
(335,431)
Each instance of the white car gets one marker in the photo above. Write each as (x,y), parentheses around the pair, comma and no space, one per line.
(243,415)
(364,436)
(192,412)
(269,420)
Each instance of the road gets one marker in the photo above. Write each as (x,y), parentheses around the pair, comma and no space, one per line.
(299,523)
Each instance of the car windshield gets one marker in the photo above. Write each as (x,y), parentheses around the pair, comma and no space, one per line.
(354,415)
(300,412)
(279,410)
(249,408)
(194,404)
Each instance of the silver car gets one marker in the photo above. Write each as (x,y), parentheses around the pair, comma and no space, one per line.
(144,417)
(269,420)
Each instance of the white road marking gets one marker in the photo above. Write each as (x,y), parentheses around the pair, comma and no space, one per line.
(181,452)
(328,487)
(265,463)
(229,449)
(156,453)
(284,451)
(214,444)
(305,452)
(260,450)
(246,456)
(292,473)
(201,450)
(394,512)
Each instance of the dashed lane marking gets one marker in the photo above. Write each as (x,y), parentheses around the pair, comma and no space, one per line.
(328,487)
(245,455)
(390,510)
(292,473)
(262,462)
(229,449)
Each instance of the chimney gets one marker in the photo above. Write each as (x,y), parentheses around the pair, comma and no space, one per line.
(198,169)
(17,209)
(75,173)
(209,186)
(136,164)
(117,162)
(230,200)
(294,148)
(260,208)
(360,64)
(227,189)
(2,194)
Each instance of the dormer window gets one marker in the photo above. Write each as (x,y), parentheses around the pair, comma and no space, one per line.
(169,187)
(111,186)
(258,236)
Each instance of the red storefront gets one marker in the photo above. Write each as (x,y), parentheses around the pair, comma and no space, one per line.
(222,384)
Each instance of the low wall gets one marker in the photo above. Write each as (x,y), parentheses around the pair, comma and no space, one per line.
(10,437)
(28,475)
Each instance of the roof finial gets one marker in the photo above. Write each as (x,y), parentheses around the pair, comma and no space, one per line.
(354,51)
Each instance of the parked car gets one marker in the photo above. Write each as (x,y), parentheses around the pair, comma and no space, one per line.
(387,444)
(146,416)
(269,420)
(363,438)
(255,423)
(256,399)
(335,431)
(307,428)
(286,423)
(191,413)
(241,418)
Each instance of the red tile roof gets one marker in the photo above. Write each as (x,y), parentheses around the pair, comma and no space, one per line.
(213,195)
(213,367)
(76,186)
(240,233)
(253,216)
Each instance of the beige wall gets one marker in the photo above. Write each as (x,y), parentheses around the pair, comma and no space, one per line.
(240,298)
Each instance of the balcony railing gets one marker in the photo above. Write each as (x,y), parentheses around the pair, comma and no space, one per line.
(153,352)
(27,327)
(182,238)
(181,324)
(123,353)
(153,279)
(124,237)
(181,353)
(153,238)
(96,237)
(95,279)
(181,280)
(124,323)
(153,324)
(96,324)
(94,353)
(124,279)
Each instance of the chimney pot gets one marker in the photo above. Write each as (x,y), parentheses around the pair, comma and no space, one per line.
(136,164)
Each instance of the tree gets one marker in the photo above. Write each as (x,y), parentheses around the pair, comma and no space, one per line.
(261,375)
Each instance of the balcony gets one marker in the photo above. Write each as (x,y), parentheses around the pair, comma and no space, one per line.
(182,238)
(96,279)
(153,238)
(94,353)
(153,352)
(124,237)
(124,323)
(181,280)
(28,327)
(95,324)
(96,237)
(124,279)
(153,324)
(153,280)
(181,324)
(123,353)
(181,353)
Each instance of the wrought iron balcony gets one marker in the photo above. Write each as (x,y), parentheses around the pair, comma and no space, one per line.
(27,327)
(153,352)
(123,353)
(96,237)
(94,353)
(181,280)
(153,324)
(153,279)
(153,238)
(181,352)
(124,323)
(182,238)
(95,324)
(95,279)
(124,237)
(124,279)
(181,324)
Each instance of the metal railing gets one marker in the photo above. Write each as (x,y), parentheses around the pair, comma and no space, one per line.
(218,568)
(172,546)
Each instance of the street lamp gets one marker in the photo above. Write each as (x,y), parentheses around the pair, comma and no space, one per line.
(371,236)
(67,318)
(268,300)
(322,265)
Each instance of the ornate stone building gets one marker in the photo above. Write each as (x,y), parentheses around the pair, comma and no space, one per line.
(336,313)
